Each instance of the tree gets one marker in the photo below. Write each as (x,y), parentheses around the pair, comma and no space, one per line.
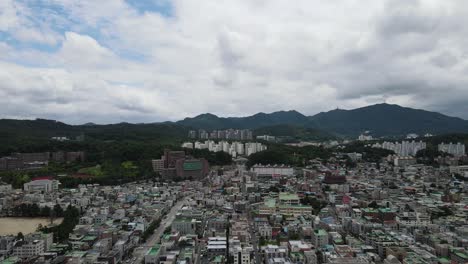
(262,241)
(70,220)
(20,236)
(34,210)
(58,211)
(293,236)
(373,204)
(46,211)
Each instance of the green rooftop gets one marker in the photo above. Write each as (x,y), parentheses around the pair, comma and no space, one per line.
(10,260)
(192,165)
(461,255)
(154,250)
(187,253)
(288,196)
(339,241)
(270,203)
(218,259)
(321,232)
(386,210)
(369,210)
(89,238)
(76,254)
(444,260)
(295,206)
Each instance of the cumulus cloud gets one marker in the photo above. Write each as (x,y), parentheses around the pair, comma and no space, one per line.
(112,61)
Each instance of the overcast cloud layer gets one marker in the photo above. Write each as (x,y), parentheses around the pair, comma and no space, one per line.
(110,61)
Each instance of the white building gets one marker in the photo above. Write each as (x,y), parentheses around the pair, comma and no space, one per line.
(462,170)
(412,136)
(404,148)
(320,238)
(6,188)
(47,238)
(239,148)
(242,254)
(404,161)
(184,225)
(413,219)
(152,255)
(188,145)
(273,170)
(266,138)
(365,137)
(41,186)
(274,251)
(235,148)
(27,249)
(456,150)
(265,231)
(216,246)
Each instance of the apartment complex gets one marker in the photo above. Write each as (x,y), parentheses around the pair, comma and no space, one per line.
(456,150)
(404,148)
(234,149)
(230,134)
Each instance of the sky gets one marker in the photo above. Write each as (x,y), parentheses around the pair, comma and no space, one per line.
(111,61)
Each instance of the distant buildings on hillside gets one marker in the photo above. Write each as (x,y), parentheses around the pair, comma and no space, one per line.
(410,148)
(229,134)
(365,137)
(456,150)
(234,149)
(267,138)
(176,165)
(412,136)
(24,161)
(404,148)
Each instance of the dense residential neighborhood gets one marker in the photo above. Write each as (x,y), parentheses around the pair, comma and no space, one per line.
(343,209)
(233,132)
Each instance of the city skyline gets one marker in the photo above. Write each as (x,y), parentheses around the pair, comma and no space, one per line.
(149,61)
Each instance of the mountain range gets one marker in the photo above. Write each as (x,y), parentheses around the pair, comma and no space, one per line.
(379,120)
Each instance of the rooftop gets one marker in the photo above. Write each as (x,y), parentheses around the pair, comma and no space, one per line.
(154,250)
(288,196)
(321,232)
(10,260)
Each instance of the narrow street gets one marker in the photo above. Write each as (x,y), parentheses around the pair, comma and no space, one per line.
(156,237)
(255,241)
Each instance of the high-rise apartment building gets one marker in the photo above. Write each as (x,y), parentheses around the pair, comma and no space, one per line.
(404,148)
(234,149)
(192,134)
(229,134)
(456,150)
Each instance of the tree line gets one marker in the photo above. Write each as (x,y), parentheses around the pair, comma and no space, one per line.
(71,217)
(33,210)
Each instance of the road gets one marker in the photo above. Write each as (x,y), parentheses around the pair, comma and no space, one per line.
(255,242)
(156,237)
